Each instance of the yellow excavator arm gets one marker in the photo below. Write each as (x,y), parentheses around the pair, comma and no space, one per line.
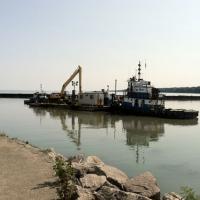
(77,71)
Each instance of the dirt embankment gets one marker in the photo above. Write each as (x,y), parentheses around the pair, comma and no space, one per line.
(25,172)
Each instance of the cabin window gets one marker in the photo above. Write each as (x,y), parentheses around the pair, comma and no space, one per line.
(143,102)
(81,96)
(91,96)
(136,103)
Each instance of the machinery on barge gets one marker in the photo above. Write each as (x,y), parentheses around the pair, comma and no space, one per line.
(140,98)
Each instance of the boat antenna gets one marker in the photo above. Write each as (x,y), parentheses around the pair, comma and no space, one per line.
(41,88)
(139,71)
(136,73)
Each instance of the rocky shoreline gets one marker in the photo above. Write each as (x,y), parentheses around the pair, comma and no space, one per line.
(99,181)
(95,180)
(102,182)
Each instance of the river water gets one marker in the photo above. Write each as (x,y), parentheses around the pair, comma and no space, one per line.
(170,149)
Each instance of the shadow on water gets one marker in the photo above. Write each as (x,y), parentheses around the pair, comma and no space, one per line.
(140,131)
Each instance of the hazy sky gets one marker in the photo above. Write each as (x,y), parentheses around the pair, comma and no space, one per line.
(43,41)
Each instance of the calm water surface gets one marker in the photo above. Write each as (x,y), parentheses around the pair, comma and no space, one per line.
(170,149)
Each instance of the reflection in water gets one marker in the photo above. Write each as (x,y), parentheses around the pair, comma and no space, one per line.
(39,112)
(140,131)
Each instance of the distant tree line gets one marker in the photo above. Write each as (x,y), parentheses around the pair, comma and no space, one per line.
(181,89)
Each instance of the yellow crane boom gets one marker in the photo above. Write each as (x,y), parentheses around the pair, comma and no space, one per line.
(77,71)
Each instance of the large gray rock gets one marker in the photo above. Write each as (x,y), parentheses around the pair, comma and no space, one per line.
(80,169)
(93,165)
(108,184)
(113,175)
(94,160)
(145,185)
(84,194)
(77,158)
(92,181)
(107,193)
(172,196)
(87,166)
(53,155)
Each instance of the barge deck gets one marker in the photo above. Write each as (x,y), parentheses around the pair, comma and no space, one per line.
(164,113)
(71,107)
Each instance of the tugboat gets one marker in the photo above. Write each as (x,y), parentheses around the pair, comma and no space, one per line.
(142,98)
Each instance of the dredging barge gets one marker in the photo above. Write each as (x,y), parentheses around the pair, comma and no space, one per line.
(140,98)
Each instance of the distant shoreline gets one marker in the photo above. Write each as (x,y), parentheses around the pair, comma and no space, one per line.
(16,95)
(181,98)
(181,90)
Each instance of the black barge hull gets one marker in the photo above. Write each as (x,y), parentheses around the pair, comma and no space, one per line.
(70,107)
(163,113)
(180,114)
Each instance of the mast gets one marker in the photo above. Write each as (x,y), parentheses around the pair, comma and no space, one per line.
(139,71)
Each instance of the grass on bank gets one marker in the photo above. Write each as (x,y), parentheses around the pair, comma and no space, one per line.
(2,134)
(189,194)
(66,183)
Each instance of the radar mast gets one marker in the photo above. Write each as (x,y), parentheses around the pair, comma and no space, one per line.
(139,71)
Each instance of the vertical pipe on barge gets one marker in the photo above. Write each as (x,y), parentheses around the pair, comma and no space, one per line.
(115,87)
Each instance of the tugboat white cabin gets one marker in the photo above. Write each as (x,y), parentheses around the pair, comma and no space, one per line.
(141,97)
